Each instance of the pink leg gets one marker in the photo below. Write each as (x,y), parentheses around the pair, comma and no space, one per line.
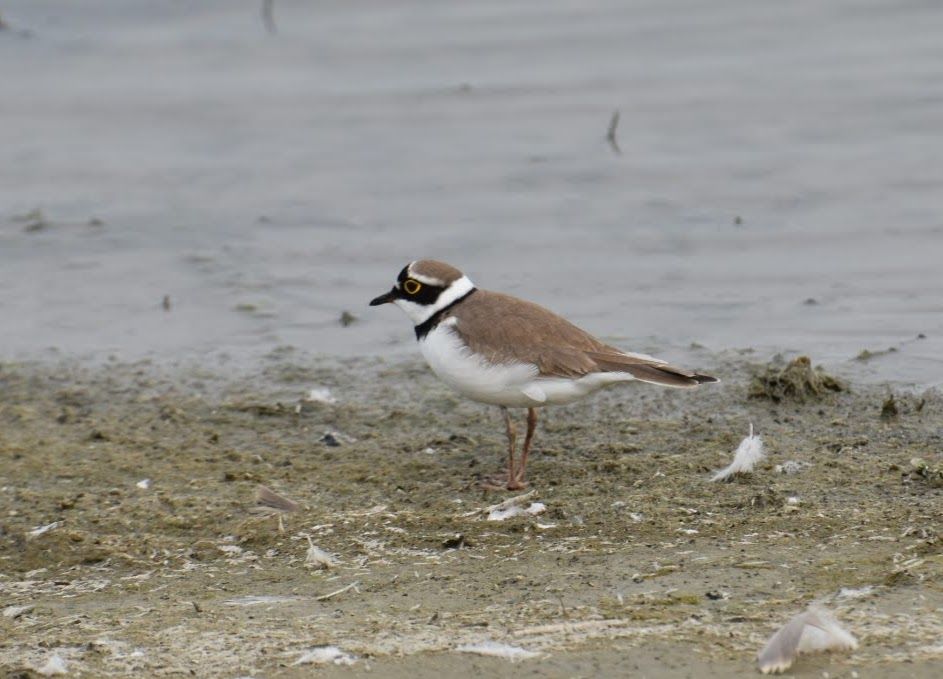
(511,480)
(528,440)
(514,482)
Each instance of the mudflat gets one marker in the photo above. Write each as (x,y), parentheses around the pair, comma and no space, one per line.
(131,540)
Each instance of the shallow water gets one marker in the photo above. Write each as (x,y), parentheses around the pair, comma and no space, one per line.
(266,183)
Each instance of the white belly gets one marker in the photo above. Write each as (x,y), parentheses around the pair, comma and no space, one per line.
(513,385)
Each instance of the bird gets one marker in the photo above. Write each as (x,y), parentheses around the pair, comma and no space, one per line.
(500,350)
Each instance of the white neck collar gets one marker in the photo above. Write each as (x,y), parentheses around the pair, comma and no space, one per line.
(420,313)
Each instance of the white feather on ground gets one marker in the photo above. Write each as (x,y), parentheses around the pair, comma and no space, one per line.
(55,666)
(749,453)
(321,395)
(855,593)
(815,629)
(534,509)
(36,532)
(322,655)
(317,558)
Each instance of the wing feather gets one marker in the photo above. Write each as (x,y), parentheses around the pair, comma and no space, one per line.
(558,348)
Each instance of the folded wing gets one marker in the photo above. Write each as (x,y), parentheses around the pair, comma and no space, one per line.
(652,370)
(557,347)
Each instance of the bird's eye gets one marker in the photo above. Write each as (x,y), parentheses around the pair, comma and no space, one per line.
(411,286)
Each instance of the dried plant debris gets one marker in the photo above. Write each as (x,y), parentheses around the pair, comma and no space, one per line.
(266,497)
(867,355)
(889,409)
(337,592)
(790,467)
(258,600)
(932,475)
(457,541)
(14,612)
(324,655)
(33,221)
(749,453)
(815,629)
(768,498)
(511,507)
(497,649)
(335,439)
(798,381)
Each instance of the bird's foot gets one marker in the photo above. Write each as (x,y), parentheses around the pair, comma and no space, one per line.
(501,481)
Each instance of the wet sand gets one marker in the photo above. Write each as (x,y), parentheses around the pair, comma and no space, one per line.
(638,566)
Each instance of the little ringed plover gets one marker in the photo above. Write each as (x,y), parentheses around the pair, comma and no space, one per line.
(498,349)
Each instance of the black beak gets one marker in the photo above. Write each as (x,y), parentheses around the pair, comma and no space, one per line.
(384,299)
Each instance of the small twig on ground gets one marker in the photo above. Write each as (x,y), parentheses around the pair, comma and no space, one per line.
(510,502)
(570,627)
(563,612)
(611,133)
(268,16)
(325,597)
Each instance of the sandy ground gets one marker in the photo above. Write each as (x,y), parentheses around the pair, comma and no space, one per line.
(639,566)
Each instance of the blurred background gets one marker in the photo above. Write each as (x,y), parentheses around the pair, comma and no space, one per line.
(181,179)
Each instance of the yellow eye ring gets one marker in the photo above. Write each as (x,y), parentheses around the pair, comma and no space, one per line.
(411,286)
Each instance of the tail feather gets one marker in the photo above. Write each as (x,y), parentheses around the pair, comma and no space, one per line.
(655,373)
(664,375)
(706,379)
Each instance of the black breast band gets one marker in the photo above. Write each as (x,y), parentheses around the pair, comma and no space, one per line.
(427,325)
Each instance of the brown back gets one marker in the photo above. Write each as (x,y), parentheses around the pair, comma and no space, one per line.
(505,329)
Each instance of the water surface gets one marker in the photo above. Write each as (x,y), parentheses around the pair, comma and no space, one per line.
(778,186)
